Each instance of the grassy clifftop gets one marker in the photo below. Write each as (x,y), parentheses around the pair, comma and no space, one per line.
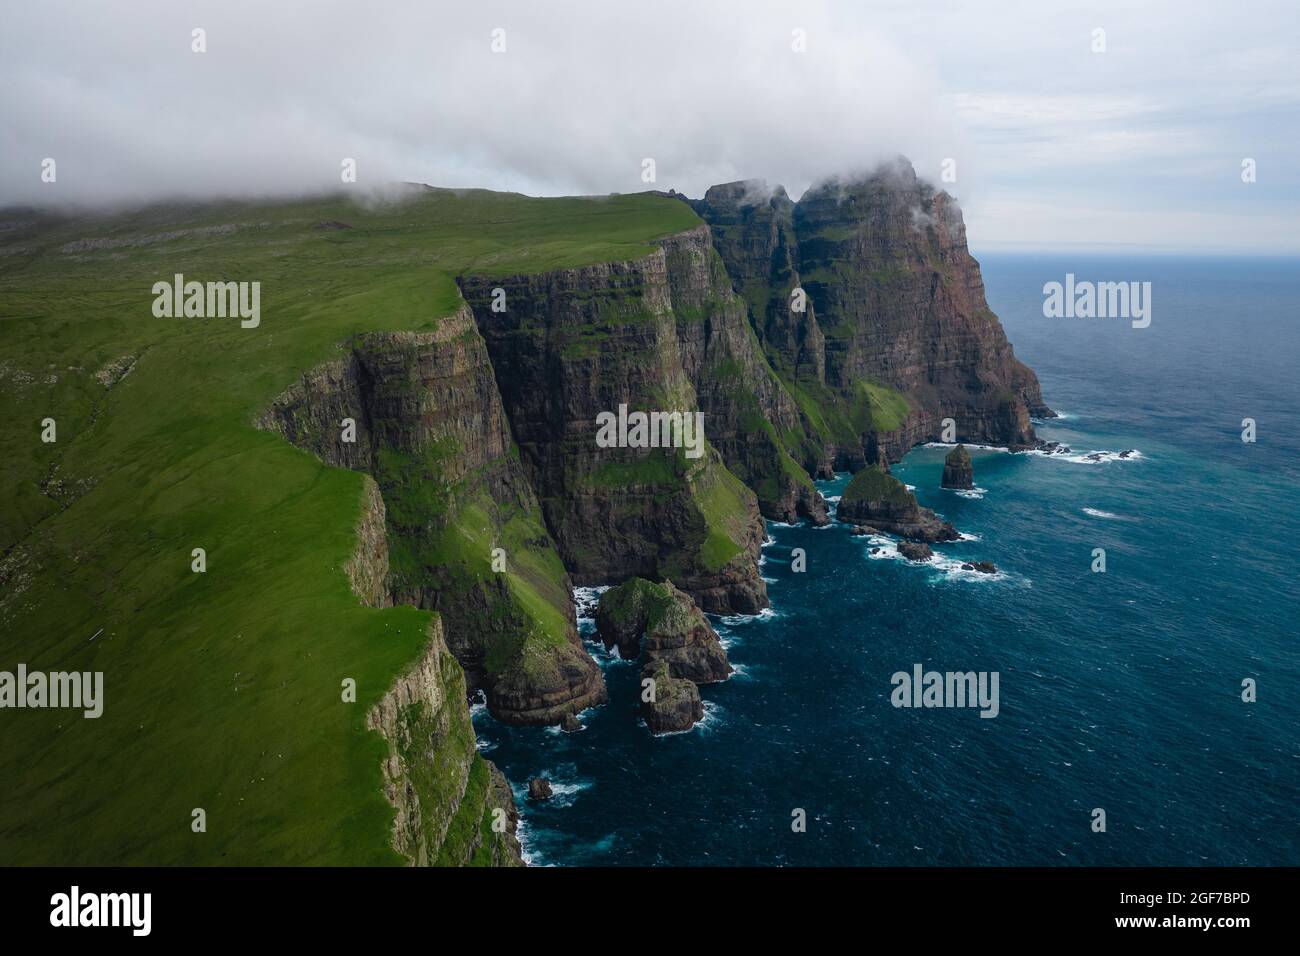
(222,688)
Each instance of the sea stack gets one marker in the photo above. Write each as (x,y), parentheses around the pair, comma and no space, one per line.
(957,470)
(878,500)
(656,621)
(677,646)
(674,705)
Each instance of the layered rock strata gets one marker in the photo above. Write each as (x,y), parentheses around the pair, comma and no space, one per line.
(894,335)
(420,412)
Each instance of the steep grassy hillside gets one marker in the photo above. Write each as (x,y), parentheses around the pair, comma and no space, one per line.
(222,689)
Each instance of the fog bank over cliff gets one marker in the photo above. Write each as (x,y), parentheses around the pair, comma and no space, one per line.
(573,99)
(1119,124)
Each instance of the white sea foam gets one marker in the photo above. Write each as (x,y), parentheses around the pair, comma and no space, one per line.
(1062,453)
(706,724)
(1096,513)
(974,493)
(950,568)
(587,597)
(732,620)
(523,833)
(1089,458)
(711,719)
(564,794)
(953,444)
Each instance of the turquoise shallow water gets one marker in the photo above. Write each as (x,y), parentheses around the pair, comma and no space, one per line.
(1118,690)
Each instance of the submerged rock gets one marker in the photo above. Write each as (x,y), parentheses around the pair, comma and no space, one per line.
(675,704)
(957,470)
(983,567)
(539,788)
(915,551)
(879,499)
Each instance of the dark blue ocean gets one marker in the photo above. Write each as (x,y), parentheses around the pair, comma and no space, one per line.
(1120,690)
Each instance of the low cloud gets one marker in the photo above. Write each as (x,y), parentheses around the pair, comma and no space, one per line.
(583,93)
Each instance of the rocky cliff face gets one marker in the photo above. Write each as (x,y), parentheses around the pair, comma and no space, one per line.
(896,334)
(450,805)
(463,527)
(746,406)
(570,345)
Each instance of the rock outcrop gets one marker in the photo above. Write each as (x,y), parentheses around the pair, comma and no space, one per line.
(895,334)
(878,499)
(539,788)
(915,550)
(672,705)
(657,622)
(957,469)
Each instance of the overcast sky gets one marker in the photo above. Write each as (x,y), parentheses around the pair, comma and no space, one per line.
(1055,145)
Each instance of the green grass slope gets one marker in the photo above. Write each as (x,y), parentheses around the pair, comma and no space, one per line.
(222,689)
